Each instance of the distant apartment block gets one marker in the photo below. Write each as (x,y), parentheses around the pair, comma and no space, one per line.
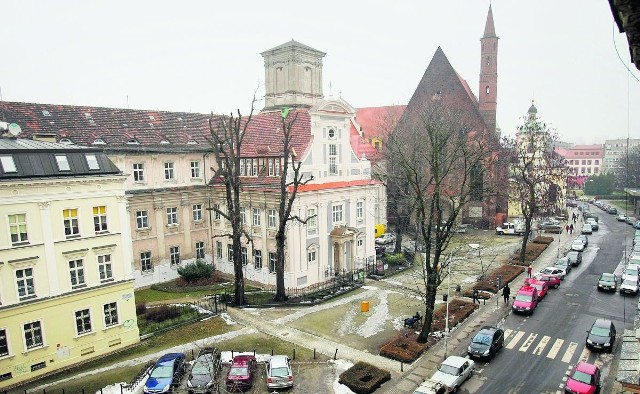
(614,152)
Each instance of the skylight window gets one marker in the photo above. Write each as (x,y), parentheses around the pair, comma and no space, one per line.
(92,161)
(151,117)
(63,163)
(8,165)
(99,141)
(66,141)
(87,115)
(45,112)
(192,142)
(165,142)
(133,141)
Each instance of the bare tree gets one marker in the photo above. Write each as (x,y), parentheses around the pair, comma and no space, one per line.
(628,175)
(442,162)
(536,173)
(288,190)
(226,138)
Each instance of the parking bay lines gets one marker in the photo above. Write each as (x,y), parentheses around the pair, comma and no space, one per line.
(542,345)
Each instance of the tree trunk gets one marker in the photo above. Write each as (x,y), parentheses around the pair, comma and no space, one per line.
(429,307)
(281,295)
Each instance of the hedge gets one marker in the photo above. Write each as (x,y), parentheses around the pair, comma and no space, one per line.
(364,378)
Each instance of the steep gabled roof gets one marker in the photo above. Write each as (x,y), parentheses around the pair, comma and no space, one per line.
(489,28)
(378,121)
(264,135)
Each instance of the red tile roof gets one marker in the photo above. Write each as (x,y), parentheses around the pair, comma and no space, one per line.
(336,185)
(361,147)
(377,121)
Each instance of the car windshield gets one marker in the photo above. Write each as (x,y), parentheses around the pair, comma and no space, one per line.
(607,278)
(600,331)
(449,369)
(582,377)
(538,286)
(161,372)
(524,297)
(202,368)
(281,371)
(630,282)
(577,242)
(482,339)
(238,371)
(631,271)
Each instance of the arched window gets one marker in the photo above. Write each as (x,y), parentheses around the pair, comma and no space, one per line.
(487,90)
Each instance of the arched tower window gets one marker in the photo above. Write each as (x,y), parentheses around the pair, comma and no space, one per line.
(487,89)
(488,60)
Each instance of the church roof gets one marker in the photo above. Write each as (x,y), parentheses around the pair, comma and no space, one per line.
(377,121)
(489,28)
(291,44)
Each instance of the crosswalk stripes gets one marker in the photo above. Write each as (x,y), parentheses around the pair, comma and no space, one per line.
(569,353)
(555,348)
(528,342)
(524,342)
(541,345)
(515,340)
(584,356)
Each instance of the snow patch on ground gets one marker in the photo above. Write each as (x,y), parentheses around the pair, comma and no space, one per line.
(375,322)
(340,366)
(346,325)
(227,319)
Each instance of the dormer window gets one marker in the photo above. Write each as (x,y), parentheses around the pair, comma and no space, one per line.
(98,141)
(45,113)
(63,163)
(8,165)
(192,142)
(165,142)
(332,134)
(66,141)
(133,141)
(92,161)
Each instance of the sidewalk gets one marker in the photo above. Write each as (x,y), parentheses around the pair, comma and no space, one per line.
(487,314)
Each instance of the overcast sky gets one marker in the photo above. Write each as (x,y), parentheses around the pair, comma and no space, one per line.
(204,56)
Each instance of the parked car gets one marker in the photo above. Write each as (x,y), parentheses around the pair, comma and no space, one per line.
(386,238)
(486,343)
(594,225)
(453,372)
(602,335)
(629,286)
(612,210)
(577,245)
(431,387)
(551,280)
(541,286)
(526,300)
(166,374)
(279,374)
(584,378)
(630,273)
(586,229)
(584,239)
(559,272)
(240,375)
(575,257)
(621,218)
(608,282)
(636,225)
(563,262)
(630,220)
(590,215)
(204,373)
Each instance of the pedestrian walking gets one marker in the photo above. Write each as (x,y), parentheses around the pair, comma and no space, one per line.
(505,293)
(566,228)
(571,229)
(529,271)
(475,296)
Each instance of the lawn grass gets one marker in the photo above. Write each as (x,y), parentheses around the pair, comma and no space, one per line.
(146,296)
(93,383)
(266,344)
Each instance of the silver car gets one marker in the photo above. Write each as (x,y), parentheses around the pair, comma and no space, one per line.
(279,373)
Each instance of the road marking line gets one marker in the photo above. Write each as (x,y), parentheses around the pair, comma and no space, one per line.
(584,356)
(555,348)
(540,348)
(569,353)
(515,340)
(528,342)
(507,332)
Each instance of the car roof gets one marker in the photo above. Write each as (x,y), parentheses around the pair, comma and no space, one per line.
(170,357)
(602,323)
(586,368)
(527,289)
(455,361)
(278,361)
(607,275)
(242,359)
(488,330)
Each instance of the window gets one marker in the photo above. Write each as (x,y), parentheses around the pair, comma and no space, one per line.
(242,167)
(277,167)
(172,216)
(195,169)
(243,255)
(216,211)
(333,167)
(596,162)
(92,161)
(487,89)
(110,314)
(312,221)
(33,335)
(256,216)
(18,228)
(24,281)
(200,250)
(243,217)
(138,172)
(76,273)
(230,252)
(63,163)
(145,262)
(332,134)
(8,165)
(311,256)
(271,218)
(272,262)
(169,173)
(197,212)
(104,267)
(4,343)
(254,167)
(336,211)
(100,219)
(174,255)
(360,211)
(219,249)
(257,259)
(70,220)
(359,242)
(83,321)
(270,165)
(142,220)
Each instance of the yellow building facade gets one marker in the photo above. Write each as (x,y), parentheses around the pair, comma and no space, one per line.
(66,285)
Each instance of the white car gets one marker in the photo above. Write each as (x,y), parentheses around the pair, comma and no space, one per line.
(594,225)
(622,217)
(453,372)
(577,245)
(586,229)
(431,387)
(279,372)
(557,271)
(386,238)
(630,273)
(629,286)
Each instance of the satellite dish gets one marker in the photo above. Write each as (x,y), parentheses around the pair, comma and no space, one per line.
(14,129)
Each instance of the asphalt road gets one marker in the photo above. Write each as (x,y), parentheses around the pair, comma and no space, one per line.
(539,350)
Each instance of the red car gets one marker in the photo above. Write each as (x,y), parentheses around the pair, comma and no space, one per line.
(584,379)
(552,280)
(541,285)
(240,375)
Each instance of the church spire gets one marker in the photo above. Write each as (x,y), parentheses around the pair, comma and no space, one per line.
(488,90)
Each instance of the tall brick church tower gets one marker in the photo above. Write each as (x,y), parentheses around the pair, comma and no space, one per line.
(488,91)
